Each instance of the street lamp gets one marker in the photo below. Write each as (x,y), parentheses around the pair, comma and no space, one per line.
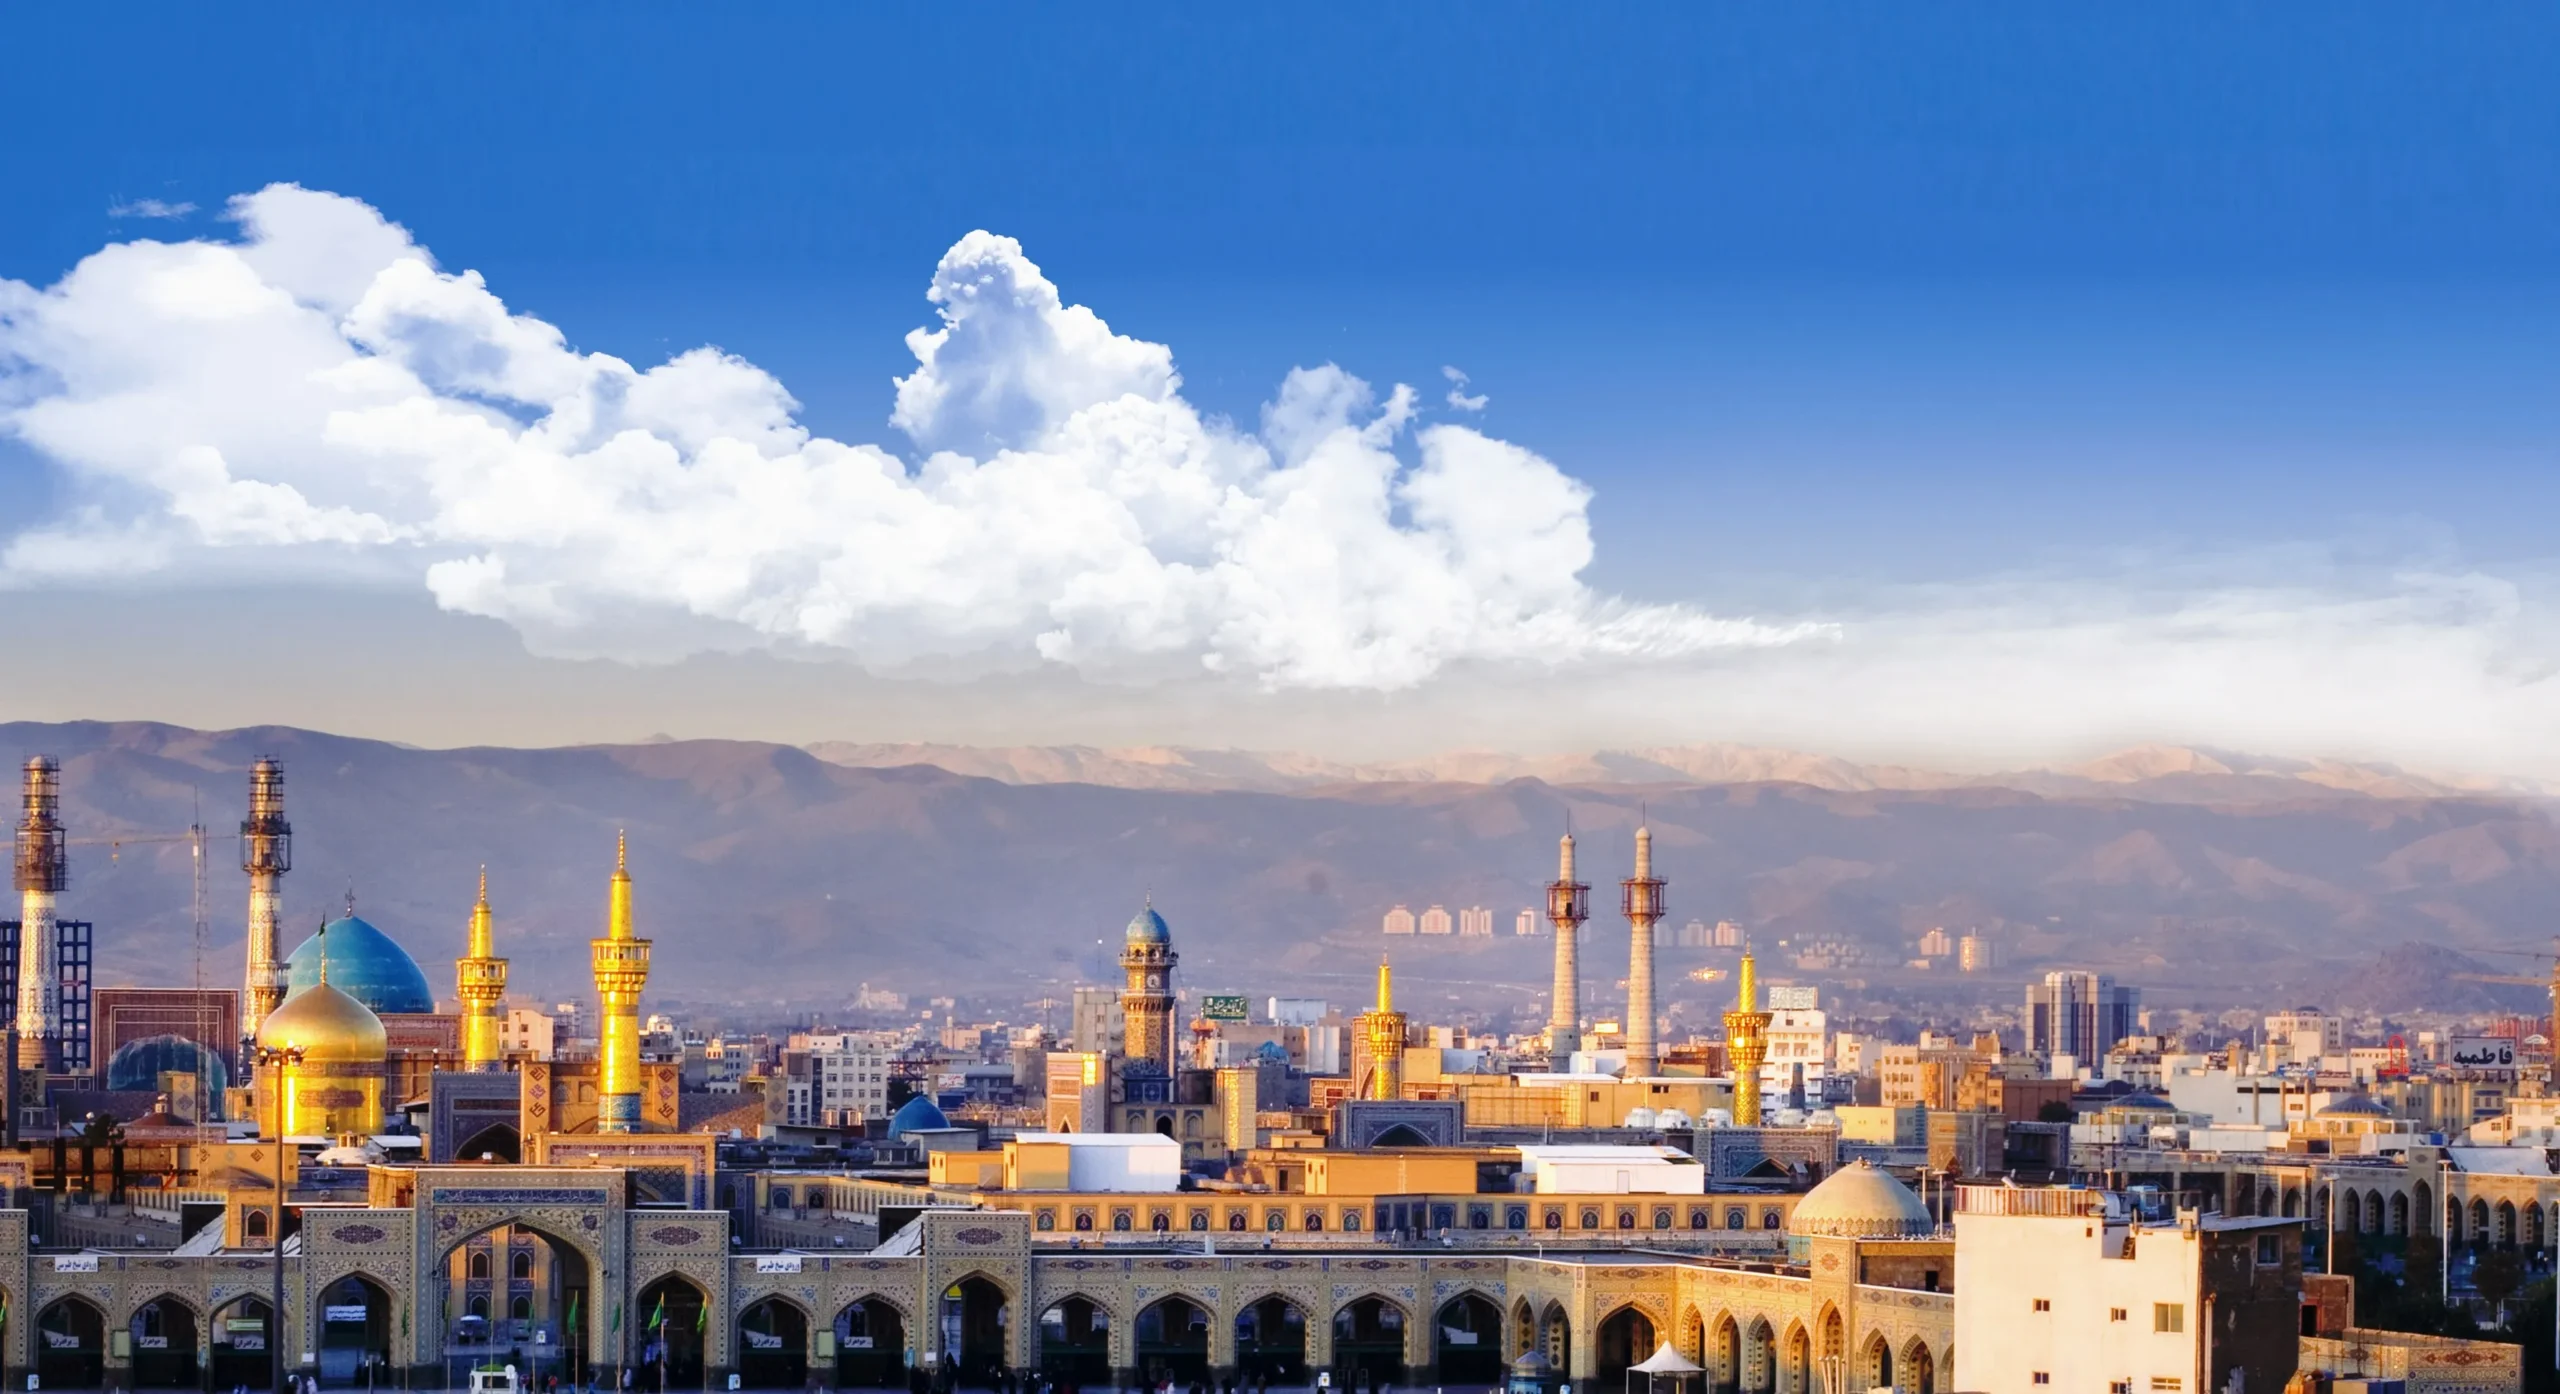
(274,1058)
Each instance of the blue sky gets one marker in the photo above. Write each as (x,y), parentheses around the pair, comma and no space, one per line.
(1818,300)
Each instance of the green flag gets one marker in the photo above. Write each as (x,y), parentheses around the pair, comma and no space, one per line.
(617,1316)
(658,1318)
(573,1310)
(702,1318)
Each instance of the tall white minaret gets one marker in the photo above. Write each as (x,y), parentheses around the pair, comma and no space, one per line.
(1568,905)
(266,853)
(43,870)
(1642,900)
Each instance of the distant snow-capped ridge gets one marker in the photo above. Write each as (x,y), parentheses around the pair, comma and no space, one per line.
(2170,773)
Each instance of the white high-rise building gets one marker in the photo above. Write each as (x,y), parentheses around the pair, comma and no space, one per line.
(1475,922)
(1436,920)
(1399,921)
(1525,923)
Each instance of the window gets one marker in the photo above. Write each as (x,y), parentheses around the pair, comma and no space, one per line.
(1555,1219)
(521,1266)
(2170,1317)
(1590,1219)
(1734,1218)
(1662,1219)
(1315,1222)
(480,1266)
(2043,1377)
(1351,1221)
(2166,1384)
(2115,1314)
(1698,1219)
(1199,1220)
(1084,1220)
(2270,1250)
(1275,1220)
(1235,1221)
(1120,1221)
(1517,1217)
(1047,1221)
(2044,1304)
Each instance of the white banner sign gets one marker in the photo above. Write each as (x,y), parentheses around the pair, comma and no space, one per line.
(2482,1052)
(758,1340)
(75,1263)
(778,1263)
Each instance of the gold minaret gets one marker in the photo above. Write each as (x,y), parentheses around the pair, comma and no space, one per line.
(622,969)
(266,853)
(1568,905)
(480,980)
(1746,1044)
(1382,1038)
(1641,899)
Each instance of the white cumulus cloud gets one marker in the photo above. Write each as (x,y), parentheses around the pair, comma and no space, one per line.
(321,388)
(149,208)
(1458,398)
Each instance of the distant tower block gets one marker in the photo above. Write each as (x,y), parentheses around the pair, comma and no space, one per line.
(622,970)
(266,853)
(1379,1072)
(1746,1044)
(480,980)
(1568,905)
(44,868)
(1641,899)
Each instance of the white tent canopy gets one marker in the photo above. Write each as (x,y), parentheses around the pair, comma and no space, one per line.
(1667,1361)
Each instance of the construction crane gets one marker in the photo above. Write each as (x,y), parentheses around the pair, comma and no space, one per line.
(194,837)
(2549,985)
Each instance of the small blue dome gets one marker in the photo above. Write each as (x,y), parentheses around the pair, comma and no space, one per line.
(138,1065)
(1149,928)
(365,964)
(915,1114)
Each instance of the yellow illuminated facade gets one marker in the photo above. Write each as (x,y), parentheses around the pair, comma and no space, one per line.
(330,1079)
(480,980)
(622,970)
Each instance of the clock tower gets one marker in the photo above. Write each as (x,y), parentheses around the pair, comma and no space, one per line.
(1146,1003)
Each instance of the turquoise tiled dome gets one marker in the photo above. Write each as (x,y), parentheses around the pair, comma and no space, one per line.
(365,964)
(1149,928)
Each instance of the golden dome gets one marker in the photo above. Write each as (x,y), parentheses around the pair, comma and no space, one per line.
(326,1025)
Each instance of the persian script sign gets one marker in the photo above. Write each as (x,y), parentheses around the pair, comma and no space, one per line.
(1225,1007)
(510,1195)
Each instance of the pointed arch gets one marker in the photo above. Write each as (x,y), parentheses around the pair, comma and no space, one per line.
(1073,1338)
(1466,1338)
(1918,1368)
(871,1342)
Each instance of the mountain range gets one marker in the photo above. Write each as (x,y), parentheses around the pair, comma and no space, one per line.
(786,877)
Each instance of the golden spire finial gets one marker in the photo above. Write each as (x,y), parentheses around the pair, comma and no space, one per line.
(1386,985)
(483,937)
(324,953)
(617,922)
